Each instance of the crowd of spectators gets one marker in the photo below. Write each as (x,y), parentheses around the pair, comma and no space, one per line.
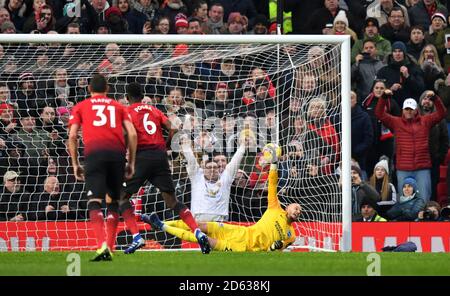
(400,67)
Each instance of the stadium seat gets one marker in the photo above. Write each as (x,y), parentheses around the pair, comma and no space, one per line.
(443,173)
(441,194)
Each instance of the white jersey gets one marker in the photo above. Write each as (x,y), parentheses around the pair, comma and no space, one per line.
(211,198)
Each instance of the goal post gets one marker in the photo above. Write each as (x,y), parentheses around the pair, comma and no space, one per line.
(257,51)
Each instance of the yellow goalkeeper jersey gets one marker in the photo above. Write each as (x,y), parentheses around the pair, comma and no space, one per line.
(273,225)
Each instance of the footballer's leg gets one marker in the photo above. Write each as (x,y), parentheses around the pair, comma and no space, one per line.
(112,220)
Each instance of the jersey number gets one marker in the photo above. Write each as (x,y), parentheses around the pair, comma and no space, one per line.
(103,119)
(150,126)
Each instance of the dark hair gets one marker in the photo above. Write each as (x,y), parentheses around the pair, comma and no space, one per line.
(417,27)
(134,92)
(198,4)
(369,40)
(73,25)
(193,20)
(397,8)
(98,84)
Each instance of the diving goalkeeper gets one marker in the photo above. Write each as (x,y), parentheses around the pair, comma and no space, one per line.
(274,231)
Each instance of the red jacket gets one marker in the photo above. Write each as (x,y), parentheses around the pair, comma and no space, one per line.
(411,136)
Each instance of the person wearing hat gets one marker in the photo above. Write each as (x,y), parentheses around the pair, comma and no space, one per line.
(419,14)
(369,212)
(410,202)
(380,181)
(443,46)
(381,10)
(14,201)
(236,23)
(438,24)
(27,96)
(412,131)
(361,190)
(8,28)
(340,27)
(371,32)
(181,25)
(396,28)
(260,25)
(402,74)
(221,103)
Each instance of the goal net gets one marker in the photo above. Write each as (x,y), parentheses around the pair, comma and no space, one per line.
(288,93)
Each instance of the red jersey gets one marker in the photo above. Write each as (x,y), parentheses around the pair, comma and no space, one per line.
(101,119)
(148,121)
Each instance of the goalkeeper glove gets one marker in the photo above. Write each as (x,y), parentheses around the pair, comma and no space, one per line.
(276,245)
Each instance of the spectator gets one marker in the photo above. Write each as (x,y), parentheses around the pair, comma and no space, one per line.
(410,202)
(438,141)
(361,191)
(365,69)
(73,28)
(244,7)
(147,7)
(155,83)
(26,96)
(171,9)
(52,204)
(381,9)
(7,121)
(340,27)
(181,25)
(4,16)
(431,213)
(383,143)
(371,32)
(14,201)
(221,102)
(260,25)
(16,9)
(416,41)
(236,23)
(438,24)
(8,28)
(443,47)
(215,23)
(420,14)
(200,11)
(402,74)
(135,18)
(396,29)
(194,26)
(162,26)
(93,15)
(320,21)
(362,134)
(5,94)
(116,21)
(59,91)
(41,20)
(380,181)
(412,158)
(431,66)
(369,212)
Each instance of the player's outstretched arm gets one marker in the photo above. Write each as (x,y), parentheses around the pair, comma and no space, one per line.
(272,197)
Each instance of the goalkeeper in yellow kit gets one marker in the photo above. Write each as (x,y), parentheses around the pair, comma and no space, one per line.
(273,231)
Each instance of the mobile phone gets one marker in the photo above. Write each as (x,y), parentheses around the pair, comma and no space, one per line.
(329,26)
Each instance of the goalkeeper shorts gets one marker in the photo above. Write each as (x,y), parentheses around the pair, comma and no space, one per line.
(233,238)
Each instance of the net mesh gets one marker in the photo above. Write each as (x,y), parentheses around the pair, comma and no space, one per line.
(286,94)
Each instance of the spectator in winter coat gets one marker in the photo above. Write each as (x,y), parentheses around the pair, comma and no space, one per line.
(361,190)
(396,28)
(410,202)
(403,76)
(365,69)
(438,143)
(420,14)
(412,132)
(380,181)
(362,133)
(371,32)
(416,41)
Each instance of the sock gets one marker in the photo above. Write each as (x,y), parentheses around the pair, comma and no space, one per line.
(186,216)
(177,224)
(180,233)
(98,224)
(111,228)
(130,221)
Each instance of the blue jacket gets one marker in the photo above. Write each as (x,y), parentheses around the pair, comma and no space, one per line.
(406,211)
(362,134)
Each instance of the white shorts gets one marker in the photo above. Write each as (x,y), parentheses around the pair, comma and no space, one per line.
(210,218)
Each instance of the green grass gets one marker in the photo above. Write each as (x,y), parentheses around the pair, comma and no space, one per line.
(231,264)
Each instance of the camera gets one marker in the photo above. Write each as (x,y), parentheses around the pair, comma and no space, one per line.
(366,55)
(445,213)
(428,215)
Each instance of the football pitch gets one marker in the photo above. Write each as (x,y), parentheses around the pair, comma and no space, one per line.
(193,263)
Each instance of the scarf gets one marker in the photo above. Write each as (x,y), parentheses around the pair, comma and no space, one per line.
(215,27)
(150,10)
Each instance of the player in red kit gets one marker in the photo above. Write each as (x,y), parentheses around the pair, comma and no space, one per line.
(103,121)
(152,163)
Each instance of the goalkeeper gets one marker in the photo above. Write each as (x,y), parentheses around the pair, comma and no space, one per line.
(273,231)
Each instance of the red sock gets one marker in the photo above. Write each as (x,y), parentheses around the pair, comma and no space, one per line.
(186,216)
(130,221)
(111,228)
(98,224)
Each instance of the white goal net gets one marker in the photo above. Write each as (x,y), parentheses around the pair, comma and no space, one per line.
(286,93)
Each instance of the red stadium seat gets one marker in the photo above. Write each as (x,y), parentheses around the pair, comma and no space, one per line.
(443,173)
(441,194)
